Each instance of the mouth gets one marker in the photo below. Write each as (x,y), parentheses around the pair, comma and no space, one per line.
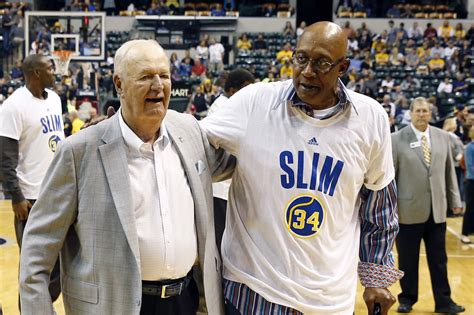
(154,100)
(309,87)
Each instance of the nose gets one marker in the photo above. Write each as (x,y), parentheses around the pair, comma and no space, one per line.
(308,70)
(157,84)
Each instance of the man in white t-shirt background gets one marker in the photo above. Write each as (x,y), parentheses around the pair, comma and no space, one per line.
(31,127)
(216,55)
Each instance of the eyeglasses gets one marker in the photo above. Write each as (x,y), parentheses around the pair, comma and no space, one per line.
(321,65)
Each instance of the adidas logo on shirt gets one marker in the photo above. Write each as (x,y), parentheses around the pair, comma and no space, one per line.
(313,141)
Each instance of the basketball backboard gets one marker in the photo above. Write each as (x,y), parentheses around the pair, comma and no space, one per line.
(83,33)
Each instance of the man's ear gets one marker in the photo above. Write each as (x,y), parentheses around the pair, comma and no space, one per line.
(118,84)
(344,66)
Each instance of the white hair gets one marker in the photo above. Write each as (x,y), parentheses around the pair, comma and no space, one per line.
(124,52)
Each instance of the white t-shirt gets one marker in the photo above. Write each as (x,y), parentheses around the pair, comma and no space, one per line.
(292,231)
(215,52)
(38,126)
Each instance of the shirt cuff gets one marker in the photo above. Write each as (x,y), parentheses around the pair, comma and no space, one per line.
(378,276)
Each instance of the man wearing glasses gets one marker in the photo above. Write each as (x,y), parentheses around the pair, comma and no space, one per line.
(313,200)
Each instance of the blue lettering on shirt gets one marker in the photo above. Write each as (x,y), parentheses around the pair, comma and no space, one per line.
(310,176)
(51,123)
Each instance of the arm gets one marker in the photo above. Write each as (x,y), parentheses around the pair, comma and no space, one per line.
(452,189)
(379,227)
(8,162)
(50,219)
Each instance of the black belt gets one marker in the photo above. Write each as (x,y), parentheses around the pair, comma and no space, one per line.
(166,288)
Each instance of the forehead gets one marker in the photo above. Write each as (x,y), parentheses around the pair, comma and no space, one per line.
(146,58)
(318,45)
(421,106)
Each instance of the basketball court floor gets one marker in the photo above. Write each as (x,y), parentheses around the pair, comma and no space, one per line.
(460,265)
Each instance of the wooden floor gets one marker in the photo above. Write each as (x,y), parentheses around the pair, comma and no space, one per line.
(460,265)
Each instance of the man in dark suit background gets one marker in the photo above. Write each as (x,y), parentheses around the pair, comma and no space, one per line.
(426,182)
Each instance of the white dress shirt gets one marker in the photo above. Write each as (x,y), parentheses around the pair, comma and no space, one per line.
(163,206)
(420,134)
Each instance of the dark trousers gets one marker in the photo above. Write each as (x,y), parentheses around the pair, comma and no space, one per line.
(408,247)
(54,279)
(468,220)
(184,304)
(220,207)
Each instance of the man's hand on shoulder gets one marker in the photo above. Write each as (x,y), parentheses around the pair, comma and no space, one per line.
(380,296)
(21,209)
(98,119)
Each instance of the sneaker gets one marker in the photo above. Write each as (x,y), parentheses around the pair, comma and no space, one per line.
(465,240)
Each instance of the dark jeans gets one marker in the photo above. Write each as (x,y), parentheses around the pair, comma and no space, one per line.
(184,304)
(54,279)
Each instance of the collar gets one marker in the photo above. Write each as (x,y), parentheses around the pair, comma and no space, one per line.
(341,93)
(135,144)
(419,133)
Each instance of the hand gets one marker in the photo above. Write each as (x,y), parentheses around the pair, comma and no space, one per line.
(98,119)
(21,209)
(457,210)
(381,296)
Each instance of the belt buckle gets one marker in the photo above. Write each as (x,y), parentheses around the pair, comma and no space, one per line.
(165,286)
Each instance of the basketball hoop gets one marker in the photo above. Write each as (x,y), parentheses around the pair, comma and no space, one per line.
(61,59)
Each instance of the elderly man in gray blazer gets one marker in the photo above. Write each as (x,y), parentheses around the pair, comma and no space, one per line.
(426,182)
(128,206)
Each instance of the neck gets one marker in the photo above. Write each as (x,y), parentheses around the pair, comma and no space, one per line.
(37,91)
(422,128)
(147,132)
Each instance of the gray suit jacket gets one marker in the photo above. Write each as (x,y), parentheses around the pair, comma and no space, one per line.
(422,188)
(84,213)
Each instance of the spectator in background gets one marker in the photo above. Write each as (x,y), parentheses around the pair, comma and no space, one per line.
(459,32)
(382,58)
(468,220)
(446,31)
(410,84)
(16,73)
(402,34)
(174,61)
(378,45)
(455,63)
(352,44)
(436,64)
(76,122)
(430,31)
(286,70)
(396,57)
(187,55)
(288,30)
(470,33)
(363,28)
(202,51)
(412,59)
(392,33)
(449,50)
(460,113)
(415,31)
(216,55)
(153,9)
(394,12)
(7,25)
(260,43)
(460,85)
(185,68)
(198,69)
(300,29)
(198,100)
(218,10)
(437,49)
(348,30)
(445,86)
(390,108)
(284,52)
(364,40)
(244,44)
